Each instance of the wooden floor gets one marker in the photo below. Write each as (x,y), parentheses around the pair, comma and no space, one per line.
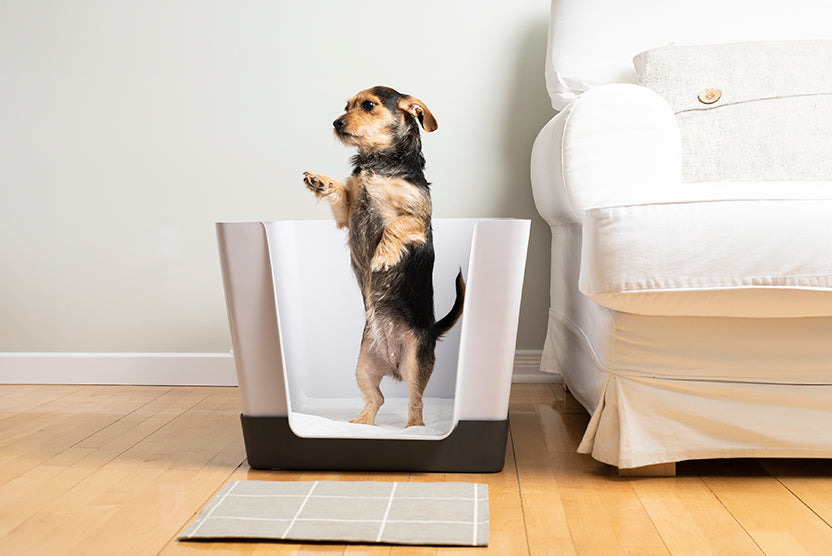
(121,470)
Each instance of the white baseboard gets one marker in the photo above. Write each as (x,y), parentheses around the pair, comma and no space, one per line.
(527,367)
(171,369)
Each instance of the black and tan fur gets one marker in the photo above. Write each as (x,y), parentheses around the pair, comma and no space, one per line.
(386,206)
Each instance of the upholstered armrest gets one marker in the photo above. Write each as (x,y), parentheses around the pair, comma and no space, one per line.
(615,144)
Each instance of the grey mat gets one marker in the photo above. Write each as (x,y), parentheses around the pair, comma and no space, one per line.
(359,511)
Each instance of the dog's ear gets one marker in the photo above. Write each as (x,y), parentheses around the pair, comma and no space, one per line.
(417,109)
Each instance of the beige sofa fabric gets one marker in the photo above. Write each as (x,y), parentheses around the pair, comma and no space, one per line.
(759,111)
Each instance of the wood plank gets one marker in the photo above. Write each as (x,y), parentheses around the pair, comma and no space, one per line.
(777,520)
(103,470)
(690,518)
(192,454)
(604,513)
(810,480)
(507,531)
(79,402)
(19,398)
(547,528)
(526,396)
(30,438)
(230,548)
(28,493)
(145,490)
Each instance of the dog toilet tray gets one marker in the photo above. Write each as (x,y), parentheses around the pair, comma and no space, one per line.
(330,418)
(296,320)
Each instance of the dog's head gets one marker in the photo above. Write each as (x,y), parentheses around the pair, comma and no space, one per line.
(381,117)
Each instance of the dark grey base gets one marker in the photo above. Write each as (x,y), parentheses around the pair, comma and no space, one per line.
(472,447)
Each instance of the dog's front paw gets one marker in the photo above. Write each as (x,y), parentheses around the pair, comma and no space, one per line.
(318,184)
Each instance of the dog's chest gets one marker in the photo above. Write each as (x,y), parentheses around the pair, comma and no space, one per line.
(366,227)
(378,201)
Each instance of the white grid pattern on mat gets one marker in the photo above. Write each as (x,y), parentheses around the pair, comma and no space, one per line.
(386,512)
(353,511)
(300,510)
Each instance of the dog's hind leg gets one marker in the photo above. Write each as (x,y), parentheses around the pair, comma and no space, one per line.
(368,374)
(416,368)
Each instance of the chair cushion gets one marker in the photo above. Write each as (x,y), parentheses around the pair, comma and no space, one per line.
(731,258)
(747,111)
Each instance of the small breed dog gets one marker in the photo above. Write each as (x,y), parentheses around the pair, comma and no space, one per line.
(385,204)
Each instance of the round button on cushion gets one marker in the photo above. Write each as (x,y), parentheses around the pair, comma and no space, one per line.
(709,96)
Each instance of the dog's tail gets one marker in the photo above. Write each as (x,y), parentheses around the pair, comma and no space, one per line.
(448,321)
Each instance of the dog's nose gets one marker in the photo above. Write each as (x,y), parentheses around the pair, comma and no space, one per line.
(339,123)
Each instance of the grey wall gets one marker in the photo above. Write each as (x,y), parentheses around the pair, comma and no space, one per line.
(127,128)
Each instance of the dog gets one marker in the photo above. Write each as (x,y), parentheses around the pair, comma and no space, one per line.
(386,207)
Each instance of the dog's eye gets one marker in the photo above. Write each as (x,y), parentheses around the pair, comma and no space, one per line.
(368,105)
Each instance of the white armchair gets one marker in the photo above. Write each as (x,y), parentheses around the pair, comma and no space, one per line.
(691,289)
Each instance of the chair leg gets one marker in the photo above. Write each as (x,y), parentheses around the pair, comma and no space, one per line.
(657,470)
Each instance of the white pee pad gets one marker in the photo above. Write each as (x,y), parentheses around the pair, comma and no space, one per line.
(329,418)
